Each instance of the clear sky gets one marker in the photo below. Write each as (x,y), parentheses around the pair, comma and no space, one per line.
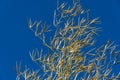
(16,40)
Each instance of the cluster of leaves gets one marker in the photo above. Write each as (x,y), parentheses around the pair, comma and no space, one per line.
(71,55)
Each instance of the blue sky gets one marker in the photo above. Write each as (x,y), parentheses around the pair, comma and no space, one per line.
(16,40)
